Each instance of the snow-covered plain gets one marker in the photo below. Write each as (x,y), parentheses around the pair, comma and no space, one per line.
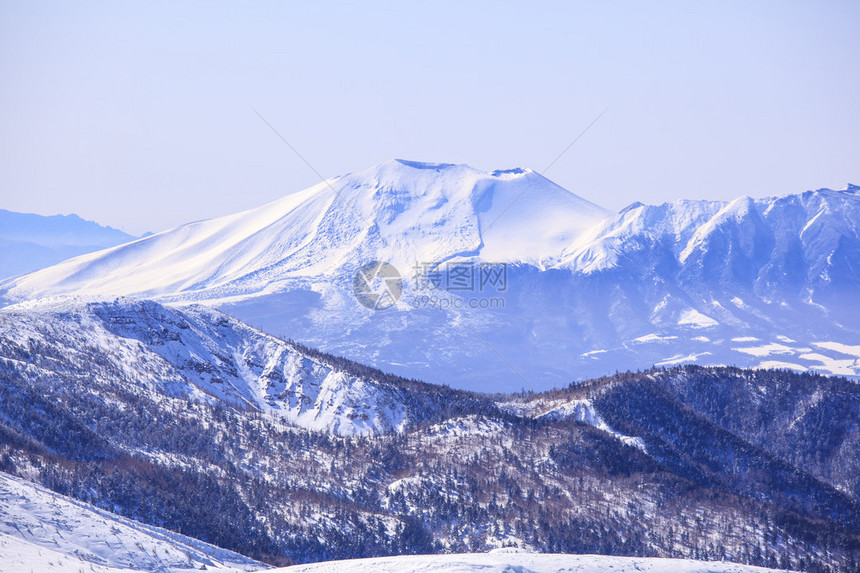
(42,531)
(586,292)
(512,561)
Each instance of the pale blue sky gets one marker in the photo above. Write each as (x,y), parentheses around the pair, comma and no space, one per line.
(139,115)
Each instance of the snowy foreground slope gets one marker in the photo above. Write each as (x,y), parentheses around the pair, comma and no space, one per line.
(765,282)
(42,531)
(509,561)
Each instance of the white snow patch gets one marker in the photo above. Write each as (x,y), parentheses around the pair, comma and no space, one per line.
(680,359)
(592,353)
(840,367)
(654,338)
(772,364)
(500,562)
(693,318)
(850,350)
(769,350)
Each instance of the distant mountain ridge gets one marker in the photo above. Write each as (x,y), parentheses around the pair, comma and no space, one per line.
(29,242)
(765,282)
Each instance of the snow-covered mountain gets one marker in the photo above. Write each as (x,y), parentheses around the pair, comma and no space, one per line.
(29,242)
(400,212)
(43,531)
(570,290)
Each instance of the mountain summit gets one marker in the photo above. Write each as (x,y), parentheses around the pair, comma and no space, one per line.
(768,282)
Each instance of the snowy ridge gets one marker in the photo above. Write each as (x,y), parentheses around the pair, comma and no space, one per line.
(579,410)
(605,245)
(44,531)
(201,353)
(583,411)
(818,223)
